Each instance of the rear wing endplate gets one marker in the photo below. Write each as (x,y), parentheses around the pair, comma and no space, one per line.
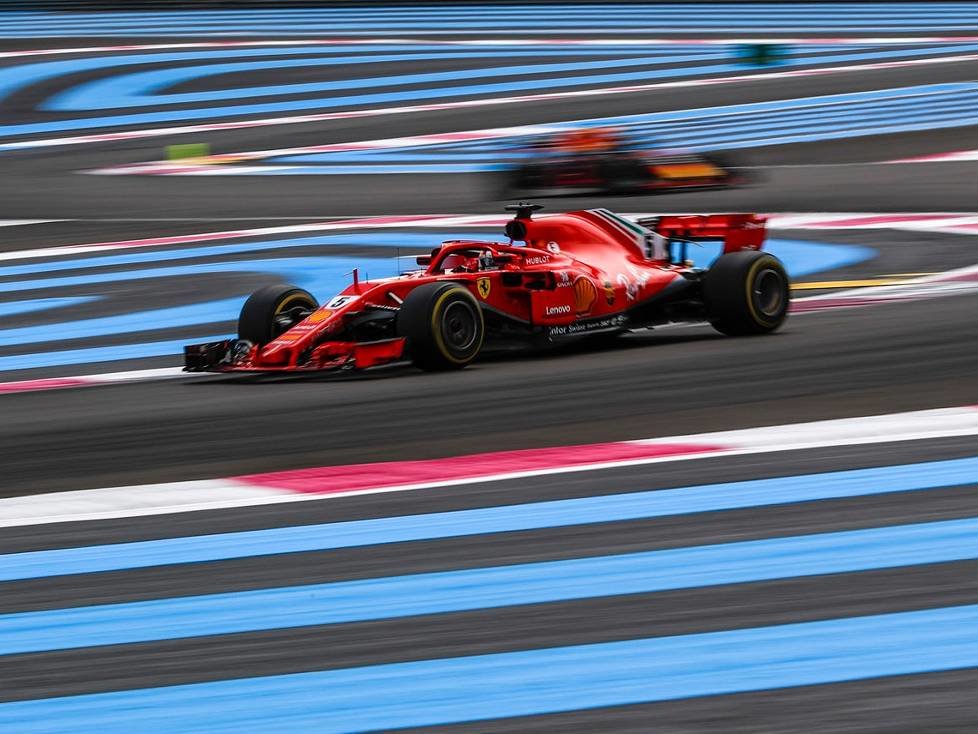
(736,231)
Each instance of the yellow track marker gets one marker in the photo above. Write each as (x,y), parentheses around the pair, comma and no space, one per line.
(818,285)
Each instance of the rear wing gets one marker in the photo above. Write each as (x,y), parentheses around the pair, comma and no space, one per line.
(736,231)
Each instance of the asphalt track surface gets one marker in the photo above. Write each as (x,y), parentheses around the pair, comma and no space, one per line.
(849,362)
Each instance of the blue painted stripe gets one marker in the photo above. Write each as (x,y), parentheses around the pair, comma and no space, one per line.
(620,23)
(488,588)
(540,28)
(22,76)
(524,683)
(853,121)
(325,270)
(138,89)
(914,107)
(134,322)
(14,78)
(404,95)
(560,16)
(769,10)
(93,355)
(506,519)
(481,10)
(407,240)
(850,119)
(36,305)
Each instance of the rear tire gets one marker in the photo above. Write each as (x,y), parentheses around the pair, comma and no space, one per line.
(443,325)
(746,292)
(272,310)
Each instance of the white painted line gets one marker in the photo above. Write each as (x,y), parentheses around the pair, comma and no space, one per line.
(956,156)
(109,378)
(104,504)
(475,103)
(193,496)
(26,222)
(896,427)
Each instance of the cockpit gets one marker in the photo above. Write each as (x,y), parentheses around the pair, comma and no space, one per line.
(468,260)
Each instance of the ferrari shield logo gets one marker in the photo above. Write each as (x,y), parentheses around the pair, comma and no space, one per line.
(484,285)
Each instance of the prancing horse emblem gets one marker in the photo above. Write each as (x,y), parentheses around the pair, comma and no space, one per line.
(484,285)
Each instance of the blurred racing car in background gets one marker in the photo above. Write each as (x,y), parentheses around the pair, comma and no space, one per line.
(558,278)
(610,161)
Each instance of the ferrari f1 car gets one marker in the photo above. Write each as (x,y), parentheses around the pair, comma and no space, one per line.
(557,278)
(607,160)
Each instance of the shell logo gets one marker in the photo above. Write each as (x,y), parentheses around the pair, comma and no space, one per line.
(585,294)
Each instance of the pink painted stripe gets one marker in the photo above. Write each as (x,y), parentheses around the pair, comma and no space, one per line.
(881,219)
(854,301)
(54,383)
(353,477)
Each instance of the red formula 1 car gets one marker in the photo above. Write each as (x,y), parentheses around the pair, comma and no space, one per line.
(607,160)
(559,277)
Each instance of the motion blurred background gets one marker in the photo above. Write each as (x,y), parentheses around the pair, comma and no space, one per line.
(190,553)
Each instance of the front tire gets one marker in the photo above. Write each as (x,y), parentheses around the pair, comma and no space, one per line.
(272,310)
(443,325)
(746,292)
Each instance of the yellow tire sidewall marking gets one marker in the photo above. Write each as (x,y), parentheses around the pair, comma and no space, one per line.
(280,308)
(758,264)
(436,327)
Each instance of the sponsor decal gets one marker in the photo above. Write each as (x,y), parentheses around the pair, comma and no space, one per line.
(609,292)
(557,310)
(538,260)
(563,279)
(585,294)
(583,327)
(553,247)
(631,290)
(319,316)
(483,285)
(631,287)
(341,301)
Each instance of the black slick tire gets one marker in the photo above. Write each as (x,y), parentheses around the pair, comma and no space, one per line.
(271,310)
(746,293)
(443,325)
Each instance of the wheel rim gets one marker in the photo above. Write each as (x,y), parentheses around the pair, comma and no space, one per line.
(289,313)
(769,292)
(459,326)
